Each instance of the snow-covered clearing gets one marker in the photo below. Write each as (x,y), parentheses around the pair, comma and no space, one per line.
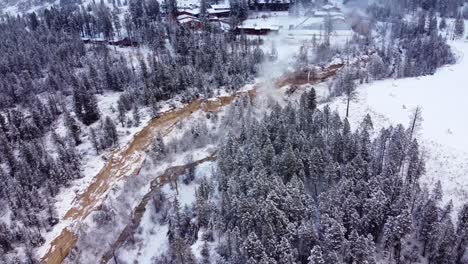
(281,19)
(442,97)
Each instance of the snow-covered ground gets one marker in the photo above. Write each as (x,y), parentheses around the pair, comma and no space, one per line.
(280,19)
(91,162)
(291,24)
(153,235)
(443,97)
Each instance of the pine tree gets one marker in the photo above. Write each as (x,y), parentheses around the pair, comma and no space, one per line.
(443,24)
(110,132)
(376,67)
(459,29)
(311,100)
(171,9)
(121,110)
(135,8)
(316,256)
(153,10)
(415,122)
(73,128)
(285,252)
(205,254)
(94,140)
(349,90)
(136,116)
(253,247)
(33,21)
(462,235)
(429,223)
(203,10)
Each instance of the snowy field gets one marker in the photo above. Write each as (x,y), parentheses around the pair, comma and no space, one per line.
(442,97)
(283,21)
(279,19)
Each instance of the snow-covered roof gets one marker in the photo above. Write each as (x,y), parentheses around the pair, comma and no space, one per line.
(184,16)
(225,6)
(193,11)
(260,27)
(325,13)
(329,6)
(338,17)
(187,19)
(273,1)
(94,39)
(217,11)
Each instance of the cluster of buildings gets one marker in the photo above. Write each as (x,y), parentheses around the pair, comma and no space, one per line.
(327,10)
(189,15)
(312,18)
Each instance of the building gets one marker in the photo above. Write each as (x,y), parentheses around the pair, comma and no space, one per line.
(125,42)
(257,31)
(189,21)
(321,13)
(269,5)
(221,13)
(195,12)
(94,41)
(221,7)
(330,8)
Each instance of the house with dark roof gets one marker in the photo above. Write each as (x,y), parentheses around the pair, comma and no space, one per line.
(257,31)
(270,5)
(189,21)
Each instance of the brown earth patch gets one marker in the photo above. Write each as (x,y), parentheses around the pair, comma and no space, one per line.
(303,77)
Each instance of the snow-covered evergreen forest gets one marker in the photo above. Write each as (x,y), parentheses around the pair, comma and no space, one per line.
(291,180)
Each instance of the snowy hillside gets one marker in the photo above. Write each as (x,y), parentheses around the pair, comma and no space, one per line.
(443,98)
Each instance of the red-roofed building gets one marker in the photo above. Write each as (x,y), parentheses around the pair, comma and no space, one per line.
(189,21)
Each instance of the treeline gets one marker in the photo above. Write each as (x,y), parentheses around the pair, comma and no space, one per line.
(300,186)
(391,8)
(410,47)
